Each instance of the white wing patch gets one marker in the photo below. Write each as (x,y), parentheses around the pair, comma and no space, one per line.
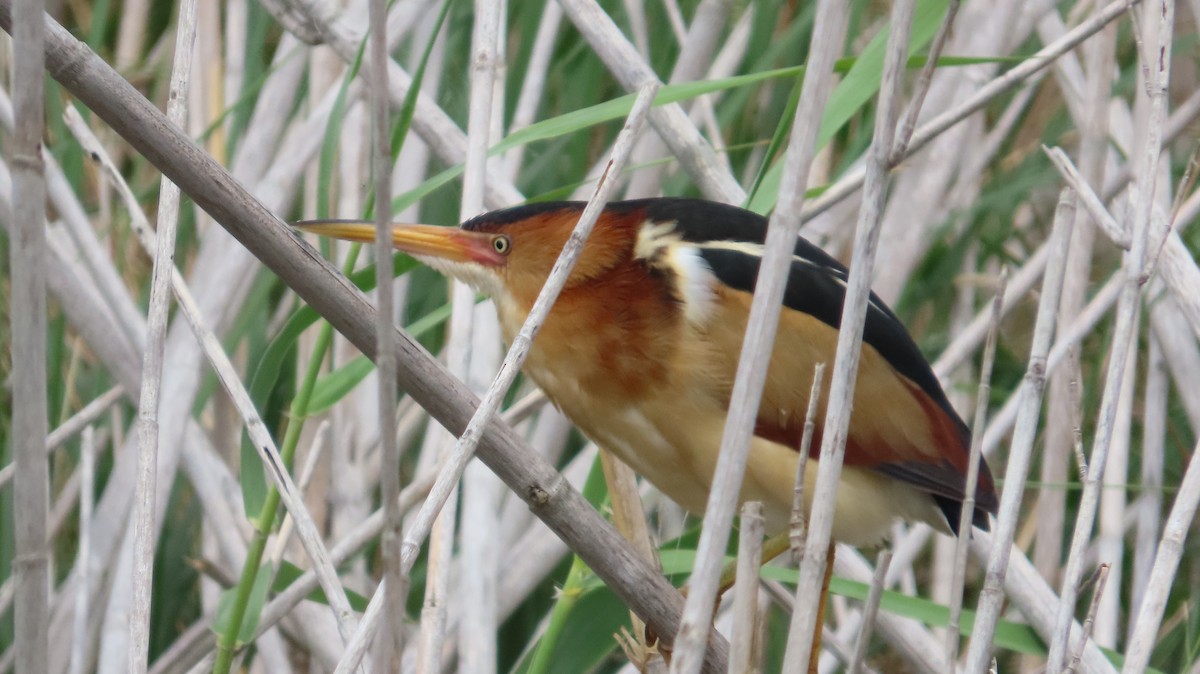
(696,282)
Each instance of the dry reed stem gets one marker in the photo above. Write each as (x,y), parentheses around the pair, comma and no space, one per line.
(756,347)
(921,86)
(87,498)
(288,526)
(1166,563)
(1036,600)
(1102,302)
(255,428)
(1149,504)
(852,180)
(697,49)
(356,646)
(745,591)
(629,517)
(849,343)
(695,155)
(434,126)
(533,83)
(991,597)
(392,644)
(1125,328)
(910,640)
(156,333)
(79,421)
(1100,579)
(475,637)
(87,253)
(437,589)
(27,256)
(982,396)
(870,611)
(798,523)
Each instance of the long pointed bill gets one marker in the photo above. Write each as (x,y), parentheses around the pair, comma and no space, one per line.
(444,243)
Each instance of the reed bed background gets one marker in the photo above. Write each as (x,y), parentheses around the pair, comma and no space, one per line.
(1028,169)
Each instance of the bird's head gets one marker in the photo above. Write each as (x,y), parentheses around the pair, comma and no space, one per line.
(507,253)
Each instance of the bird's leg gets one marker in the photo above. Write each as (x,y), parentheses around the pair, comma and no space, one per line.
(814,657)
(629,517)
(772,548)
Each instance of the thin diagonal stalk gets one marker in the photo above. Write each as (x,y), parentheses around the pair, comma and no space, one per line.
(69,428)
(152,363)
(968,508)
(670,122)
(227,641)
(1100,580)
(870,610)
(924,80)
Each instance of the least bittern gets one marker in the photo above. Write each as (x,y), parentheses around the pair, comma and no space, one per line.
(641,348)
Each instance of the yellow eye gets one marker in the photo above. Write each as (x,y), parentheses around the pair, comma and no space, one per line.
(501,244)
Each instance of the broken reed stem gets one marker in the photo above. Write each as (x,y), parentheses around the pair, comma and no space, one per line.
(966,516)
(849,343)
(152,363)
(799,521)
(745,591)
(1101,578)
(356,647)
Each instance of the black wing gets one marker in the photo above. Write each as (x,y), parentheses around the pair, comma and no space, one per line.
(816,282)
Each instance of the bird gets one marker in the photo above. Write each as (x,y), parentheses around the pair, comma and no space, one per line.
(641,348)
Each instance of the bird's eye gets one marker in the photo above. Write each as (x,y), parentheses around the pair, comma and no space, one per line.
(501,244)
